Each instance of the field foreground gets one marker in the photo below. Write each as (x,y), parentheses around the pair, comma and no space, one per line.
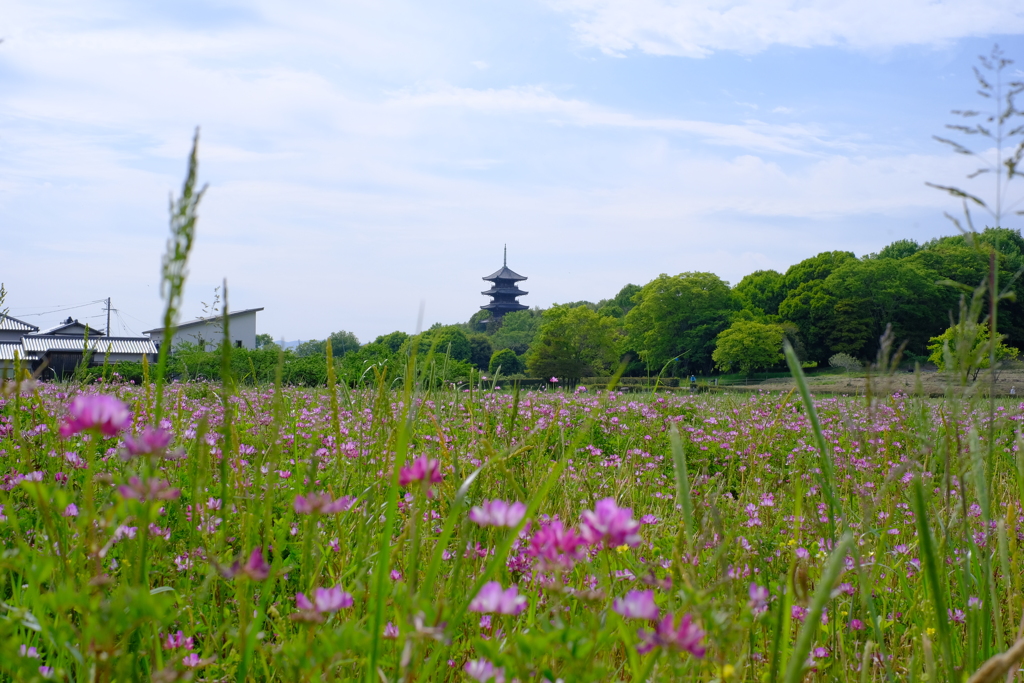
(298,535)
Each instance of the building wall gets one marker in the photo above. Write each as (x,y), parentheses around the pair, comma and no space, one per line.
(242,328)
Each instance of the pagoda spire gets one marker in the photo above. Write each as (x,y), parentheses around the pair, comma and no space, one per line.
(504,260)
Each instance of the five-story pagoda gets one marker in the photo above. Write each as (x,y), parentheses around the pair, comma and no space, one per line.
(503,292)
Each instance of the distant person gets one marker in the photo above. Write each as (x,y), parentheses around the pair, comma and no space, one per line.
(1013,391)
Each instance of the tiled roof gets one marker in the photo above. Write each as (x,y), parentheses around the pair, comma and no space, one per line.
(42,343)
(505,273)
(9,324)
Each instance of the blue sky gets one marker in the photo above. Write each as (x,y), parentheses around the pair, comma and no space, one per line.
(364,157)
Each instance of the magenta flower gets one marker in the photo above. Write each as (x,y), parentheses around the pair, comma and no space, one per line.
(256,568)
(321,503)
(390,631)
(174,641)
(331,599)
(421,469)
(151,489)
(555,546)
(493,599)
(687,637)
(325,601)
(71,510)
(482,670)
(99,413)
(553,379)
(498,513)
(637,605)
(609,525)
(151,440)
(758,598)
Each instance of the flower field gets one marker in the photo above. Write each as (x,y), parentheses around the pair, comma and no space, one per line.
(443,534)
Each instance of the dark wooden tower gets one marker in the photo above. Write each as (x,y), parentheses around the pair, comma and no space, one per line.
(503,291)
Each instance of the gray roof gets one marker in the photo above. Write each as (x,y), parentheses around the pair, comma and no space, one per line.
(9,324)
(59,329)
(203,321)
(133,345)
(7,350)
(505,273)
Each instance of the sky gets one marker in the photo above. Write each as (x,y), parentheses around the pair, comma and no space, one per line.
(368,160)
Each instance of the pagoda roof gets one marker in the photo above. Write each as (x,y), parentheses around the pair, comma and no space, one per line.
(505,274)
(510,289)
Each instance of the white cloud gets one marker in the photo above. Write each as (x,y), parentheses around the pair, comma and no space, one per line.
(752,134)
(697,28)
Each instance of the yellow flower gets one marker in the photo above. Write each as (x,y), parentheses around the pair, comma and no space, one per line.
(791,541)
(622,548)
(727,671)
(930,631)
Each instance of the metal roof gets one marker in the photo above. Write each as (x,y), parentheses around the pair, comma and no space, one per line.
(9,324)
(132,345)
(201,321)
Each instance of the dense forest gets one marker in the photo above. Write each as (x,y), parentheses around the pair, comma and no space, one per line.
(678,325)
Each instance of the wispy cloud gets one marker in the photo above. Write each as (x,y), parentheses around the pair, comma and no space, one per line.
(697,28)
(752,135)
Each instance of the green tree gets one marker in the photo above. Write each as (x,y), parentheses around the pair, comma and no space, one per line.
(393,341)
(481,350)
(748,346)
(452,341)
(342,342)
(264,340)
(573,343)
(517,331)
(761,290)
(964,349)
(507,361)
(898,249)
(679,317)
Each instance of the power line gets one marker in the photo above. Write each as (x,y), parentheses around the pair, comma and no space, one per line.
(58,310)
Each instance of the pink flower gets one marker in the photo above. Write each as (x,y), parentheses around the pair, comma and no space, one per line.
(610,525)
(482,670)
(390,631)
(498,513)
(555,546)
(687,636)
(637,605)
(857,625)
(553,379)
(256,568)
(321,503)
(421,469)
(492,598)
(191,660)
(331,599)
(173,641)
(97,413)
(151,489)
(71,510)
(151,440)
(758,598)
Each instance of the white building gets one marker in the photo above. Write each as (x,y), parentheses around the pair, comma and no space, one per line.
(208,332)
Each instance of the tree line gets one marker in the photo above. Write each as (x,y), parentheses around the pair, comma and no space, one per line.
(831,305)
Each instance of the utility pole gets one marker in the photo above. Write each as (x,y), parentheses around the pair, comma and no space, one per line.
(108,316)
